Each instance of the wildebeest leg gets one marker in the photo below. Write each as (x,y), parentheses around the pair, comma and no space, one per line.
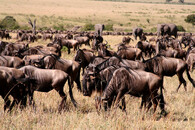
(63,96)
(119,96)
(68,50)
(70,93)
(181,80)
(78,80)
(12,105)
(123,107)
(154,100)
(6,103)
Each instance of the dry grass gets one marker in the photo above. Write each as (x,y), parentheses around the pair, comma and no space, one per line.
(123,15)
(181,107)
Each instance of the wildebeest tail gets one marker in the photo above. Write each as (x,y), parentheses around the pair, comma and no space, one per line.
(189,77)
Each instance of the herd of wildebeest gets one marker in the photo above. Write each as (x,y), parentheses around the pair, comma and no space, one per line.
(136,70)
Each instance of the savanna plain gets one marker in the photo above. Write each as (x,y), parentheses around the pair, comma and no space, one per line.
(124,16)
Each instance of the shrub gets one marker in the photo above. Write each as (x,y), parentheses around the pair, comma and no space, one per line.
(59,27)
(64,49)
(154,29)
(180,28)
(190,19)
(88,27)
(109,27)
(9,22)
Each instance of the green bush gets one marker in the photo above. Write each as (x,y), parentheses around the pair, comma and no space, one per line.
(88,27)
(59,27)
(180,28)
(9,22)
(109,27)
(190,19)
(64,49)
(154,29)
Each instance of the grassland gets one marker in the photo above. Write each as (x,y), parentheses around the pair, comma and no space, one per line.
(180,106)
(124,15)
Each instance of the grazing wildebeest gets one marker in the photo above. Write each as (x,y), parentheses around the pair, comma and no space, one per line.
(136,83)
(99,76)
(166,66)
(11,61)
(44,80)
(13,87)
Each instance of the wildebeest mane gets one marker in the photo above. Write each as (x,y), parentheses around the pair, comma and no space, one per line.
(154,64)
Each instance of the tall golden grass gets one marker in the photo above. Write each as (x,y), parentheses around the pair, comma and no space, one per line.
(180,107)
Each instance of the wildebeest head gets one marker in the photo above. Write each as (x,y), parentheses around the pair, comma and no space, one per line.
(90,81)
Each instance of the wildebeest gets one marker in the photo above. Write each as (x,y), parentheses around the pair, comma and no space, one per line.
(15,49)
(11,86)
(11,61)
(84,57)
(129,53)
(146,48)
(29,59)
(166,66)
(191,61)
(136,83)
(126,40)
(103,50)
(72,68)
(44,80)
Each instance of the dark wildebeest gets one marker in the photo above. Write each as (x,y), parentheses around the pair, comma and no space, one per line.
(129,53)
(11,61)
(137,32)
(47,36)
(15,49)
(103,51)
(191,61)
(166,66)
(145,47)
(136,83)
(72,68)
(99,76)
(84,57)
(13,87)
(2,46)
(175,53)
(96,41)
(29,59)
(83,40)
(126,40)
(44,80)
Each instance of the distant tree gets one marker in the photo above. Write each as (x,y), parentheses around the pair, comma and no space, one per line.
(190,19)
(9,22)
(181,1)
